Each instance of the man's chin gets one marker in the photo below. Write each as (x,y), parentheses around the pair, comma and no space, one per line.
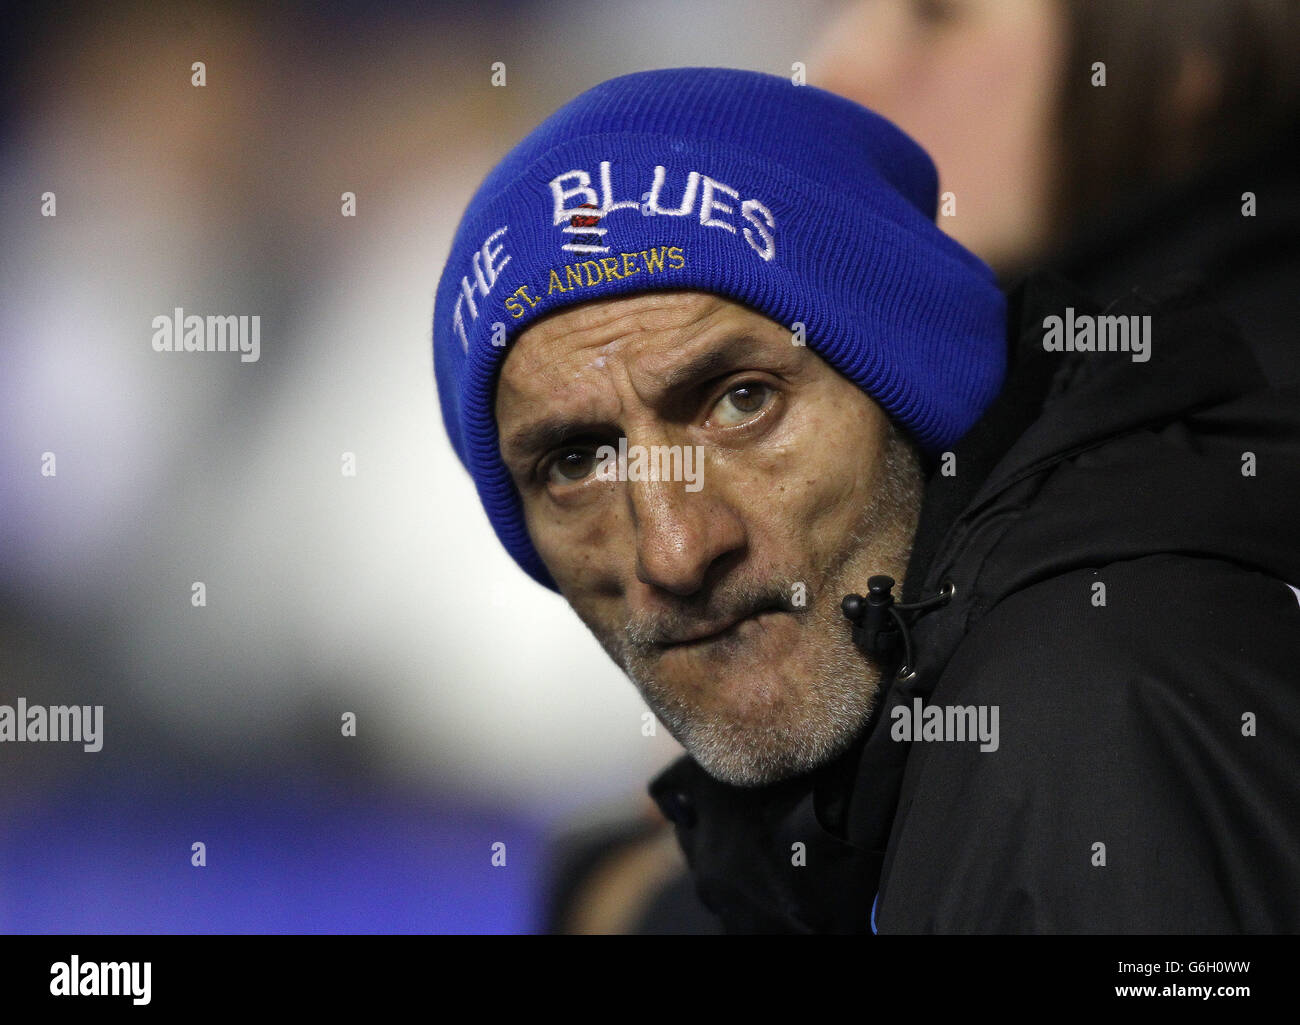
(729,691)
(763,703)
(761,737)
(747,765)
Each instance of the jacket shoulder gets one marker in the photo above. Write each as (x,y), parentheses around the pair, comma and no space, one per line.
(1147,717)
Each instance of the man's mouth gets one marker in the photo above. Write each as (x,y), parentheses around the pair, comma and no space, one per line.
(715,632)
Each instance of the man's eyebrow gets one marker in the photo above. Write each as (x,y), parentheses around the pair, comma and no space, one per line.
(545,434)
(709,363)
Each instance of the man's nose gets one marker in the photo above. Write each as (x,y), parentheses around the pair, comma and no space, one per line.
(680,534)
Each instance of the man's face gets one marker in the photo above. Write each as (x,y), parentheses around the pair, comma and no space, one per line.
(717,594)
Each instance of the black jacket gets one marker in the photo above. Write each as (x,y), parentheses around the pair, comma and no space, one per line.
(1126,725)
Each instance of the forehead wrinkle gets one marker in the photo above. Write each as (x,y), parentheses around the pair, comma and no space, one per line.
(693,360)
(610,323)
(564,337)
(662,352)
(636,333)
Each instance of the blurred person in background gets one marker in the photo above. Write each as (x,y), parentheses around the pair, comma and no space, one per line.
(1124,143)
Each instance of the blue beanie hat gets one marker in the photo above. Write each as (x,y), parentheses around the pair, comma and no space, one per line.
(789,199)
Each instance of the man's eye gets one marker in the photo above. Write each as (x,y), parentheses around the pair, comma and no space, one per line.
(572,464)
(742,402)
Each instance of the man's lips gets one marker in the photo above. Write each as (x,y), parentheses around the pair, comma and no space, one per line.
(712,632)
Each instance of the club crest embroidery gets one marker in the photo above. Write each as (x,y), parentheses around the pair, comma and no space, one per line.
(588,235)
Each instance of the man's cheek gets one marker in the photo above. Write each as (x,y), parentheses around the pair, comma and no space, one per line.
(576,546)
(784,494)
(752,480)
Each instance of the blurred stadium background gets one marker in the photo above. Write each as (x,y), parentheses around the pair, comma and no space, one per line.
(486,713)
